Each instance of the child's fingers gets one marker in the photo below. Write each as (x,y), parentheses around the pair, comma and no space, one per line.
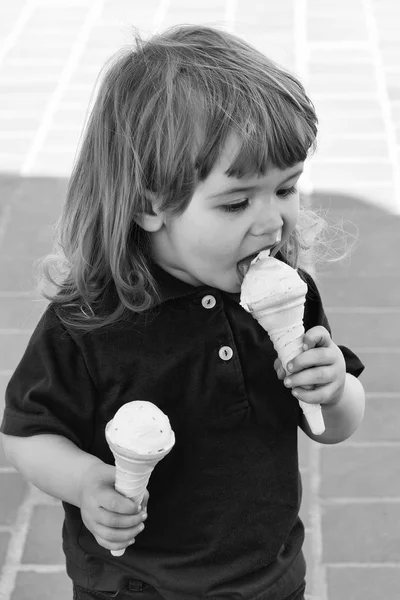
(315,395)
(309,377)
(316,337)
(311,358)
(115,502)
(145,500)
(280,371)
(118,535)
(119,521)
(115,539)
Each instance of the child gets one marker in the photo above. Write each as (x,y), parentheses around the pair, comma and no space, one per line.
(188,169)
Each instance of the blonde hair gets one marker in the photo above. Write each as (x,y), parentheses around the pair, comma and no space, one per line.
(161,117)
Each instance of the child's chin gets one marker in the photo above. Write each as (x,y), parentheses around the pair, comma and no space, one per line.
(231,288)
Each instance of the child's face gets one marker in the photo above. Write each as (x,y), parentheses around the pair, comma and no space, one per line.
(226,223)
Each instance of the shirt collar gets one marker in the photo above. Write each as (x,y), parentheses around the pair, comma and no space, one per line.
(171,288)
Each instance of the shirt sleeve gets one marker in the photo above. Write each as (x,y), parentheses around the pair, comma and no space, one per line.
(51,390)
(314,314)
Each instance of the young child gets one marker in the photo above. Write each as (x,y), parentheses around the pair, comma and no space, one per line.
(188,168)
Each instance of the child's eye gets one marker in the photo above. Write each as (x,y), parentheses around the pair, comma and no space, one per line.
(284,193)
(238,207)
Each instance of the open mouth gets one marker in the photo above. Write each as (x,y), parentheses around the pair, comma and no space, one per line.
(244,265)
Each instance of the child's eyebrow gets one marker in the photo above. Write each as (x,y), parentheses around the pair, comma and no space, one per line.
(248,188)
(235,190)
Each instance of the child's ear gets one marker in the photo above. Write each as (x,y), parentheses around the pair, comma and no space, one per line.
(153,218)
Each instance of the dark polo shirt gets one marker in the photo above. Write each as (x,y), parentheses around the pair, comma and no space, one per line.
(223,509)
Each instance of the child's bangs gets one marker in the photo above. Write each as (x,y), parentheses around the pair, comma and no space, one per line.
(266,137)
(281,140)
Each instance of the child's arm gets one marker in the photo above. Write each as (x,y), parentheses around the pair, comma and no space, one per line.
(58,467)
(322,369)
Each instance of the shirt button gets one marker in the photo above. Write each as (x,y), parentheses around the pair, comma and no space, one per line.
(225,353)
(208,301)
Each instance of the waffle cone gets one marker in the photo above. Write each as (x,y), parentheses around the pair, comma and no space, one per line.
(285,328)
(133,470)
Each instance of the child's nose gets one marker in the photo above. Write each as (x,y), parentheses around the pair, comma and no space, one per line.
(268,222)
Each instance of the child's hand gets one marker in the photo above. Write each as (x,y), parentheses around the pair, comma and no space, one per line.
(320,368)
(113,519)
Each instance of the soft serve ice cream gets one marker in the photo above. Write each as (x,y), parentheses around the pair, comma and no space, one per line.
(274,294)
(141,427)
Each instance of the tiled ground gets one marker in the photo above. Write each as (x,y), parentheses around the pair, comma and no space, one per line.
(348,54)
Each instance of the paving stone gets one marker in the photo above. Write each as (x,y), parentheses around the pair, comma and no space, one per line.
(3,460)
(327,174)
(381,371)
(332,147)
(42,586)
(341,56)
(64,139)
(352,583)
(363,291)
(26,87)
(393,92)
(307,498)
(4,540)
(304,450)
(12,347)
(342,125)
(24,102)
(68,16)
(350,107)
(44,541)
(69,117)
(19,123)
(326,83)
(3,383)
(16,145)
(380,195)
(351,472)
(21,312)
(351,327)
(361,70)
(309,555)
(10,186)
(373,255)
(57,163)
(381,420)
(42,38)
(22,51)
(330,30)
(13,489)
(34,212)
(364,533)
(17,276)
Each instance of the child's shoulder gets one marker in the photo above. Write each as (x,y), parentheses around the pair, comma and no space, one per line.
(312,287)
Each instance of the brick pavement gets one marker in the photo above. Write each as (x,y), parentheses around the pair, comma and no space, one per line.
(348,54)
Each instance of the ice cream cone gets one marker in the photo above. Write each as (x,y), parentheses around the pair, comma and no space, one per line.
(280,312)
(133,469)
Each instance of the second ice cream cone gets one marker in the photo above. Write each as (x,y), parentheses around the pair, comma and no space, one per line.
(133,469)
